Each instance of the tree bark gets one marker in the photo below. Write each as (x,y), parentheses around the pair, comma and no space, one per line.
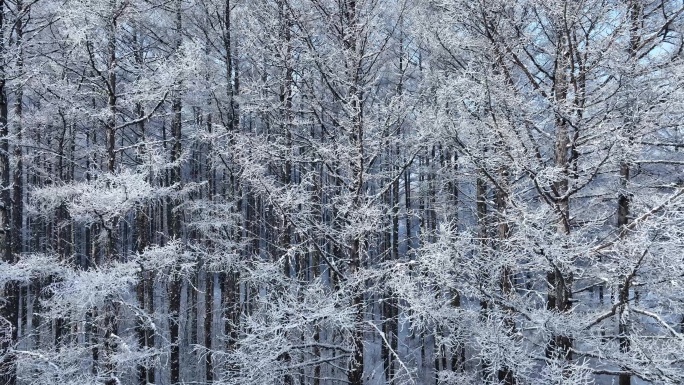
(9,310)
(175,286)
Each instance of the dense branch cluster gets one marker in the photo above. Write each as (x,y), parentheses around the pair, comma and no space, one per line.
(351,192)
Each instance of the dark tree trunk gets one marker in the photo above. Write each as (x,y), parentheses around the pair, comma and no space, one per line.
(9,310)
(175,286)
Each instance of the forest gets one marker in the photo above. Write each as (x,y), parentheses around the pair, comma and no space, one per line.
(342,192)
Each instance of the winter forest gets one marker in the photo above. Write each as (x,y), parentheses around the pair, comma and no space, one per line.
(341,192)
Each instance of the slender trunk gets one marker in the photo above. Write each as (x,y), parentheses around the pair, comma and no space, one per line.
(355,375)
(144,289)
(505,374)
(232,83)
(458,353)
(483,237)
(559,296)
(208,329)
(13,241)
(9,310)
(624,198)
(286,127)
(354,103)
(18,184)
(111,91)
(109,327)
(623,289)
(175,286)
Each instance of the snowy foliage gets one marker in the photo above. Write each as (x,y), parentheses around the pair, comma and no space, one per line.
(318,192)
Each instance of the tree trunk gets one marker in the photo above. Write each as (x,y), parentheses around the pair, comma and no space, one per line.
(9,310)
(624,198)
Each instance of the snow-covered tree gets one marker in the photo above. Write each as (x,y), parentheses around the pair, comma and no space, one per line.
(354,191)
